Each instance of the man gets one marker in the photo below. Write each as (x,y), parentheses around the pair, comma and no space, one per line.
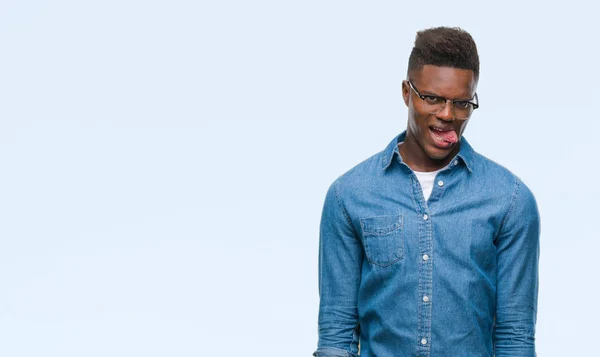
(427,248)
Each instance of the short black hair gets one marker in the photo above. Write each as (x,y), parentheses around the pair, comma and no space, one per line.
(444,47)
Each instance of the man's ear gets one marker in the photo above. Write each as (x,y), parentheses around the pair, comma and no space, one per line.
(405,92)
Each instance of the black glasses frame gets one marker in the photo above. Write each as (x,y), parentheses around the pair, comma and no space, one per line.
(453,101)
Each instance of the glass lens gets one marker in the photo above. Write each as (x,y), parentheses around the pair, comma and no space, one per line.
(433,105)
(462,109)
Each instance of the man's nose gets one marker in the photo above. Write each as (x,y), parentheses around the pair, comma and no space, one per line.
(446,112)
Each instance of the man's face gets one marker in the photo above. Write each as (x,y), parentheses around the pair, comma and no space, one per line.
(436,136)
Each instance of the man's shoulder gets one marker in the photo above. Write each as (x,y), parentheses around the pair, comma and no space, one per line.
(364,171)
(497,175)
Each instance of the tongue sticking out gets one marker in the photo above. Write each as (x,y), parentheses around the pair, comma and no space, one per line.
(449,136)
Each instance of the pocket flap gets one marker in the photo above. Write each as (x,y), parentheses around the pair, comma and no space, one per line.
(380,225)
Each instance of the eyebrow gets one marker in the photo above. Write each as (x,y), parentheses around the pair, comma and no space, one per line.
(439,96)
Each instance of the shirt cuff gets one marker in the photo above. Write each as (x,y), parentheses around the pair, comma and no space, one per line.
(332,352)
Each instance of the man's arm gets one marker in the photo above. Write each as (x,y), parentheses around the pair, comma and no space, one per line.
(518,247)
(340,261)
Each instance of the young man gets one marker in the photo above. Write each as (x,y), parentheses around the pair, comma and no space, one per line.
(427,248)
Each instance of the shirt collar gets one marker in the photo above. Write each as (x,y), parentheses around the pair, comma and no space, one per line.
(466,153)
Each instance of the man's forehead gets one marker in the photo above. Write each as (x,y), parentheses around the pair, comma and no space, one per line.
(445,80)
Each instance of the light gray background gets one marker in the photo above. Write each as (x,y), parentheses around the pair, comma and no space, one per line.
(163,164)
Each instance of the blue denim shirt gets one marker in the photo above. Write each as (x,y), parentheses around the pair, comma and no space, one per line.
(456,275)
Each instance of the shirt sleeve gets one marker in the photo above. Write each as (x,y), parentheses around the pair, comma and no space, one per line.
(518,248)
(340,260)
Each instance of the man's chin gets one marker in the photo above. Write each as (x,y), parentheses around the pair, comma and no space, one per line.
(439,154)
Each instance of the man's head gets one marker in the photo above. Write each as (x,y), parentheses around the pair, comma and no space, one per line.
(443,64)
(444,47)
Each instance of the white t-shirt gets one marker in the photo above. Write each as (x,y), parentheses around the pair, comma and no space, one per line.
(426,180)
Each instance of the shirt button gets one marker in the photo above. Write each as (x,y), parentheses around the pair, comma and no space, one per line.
(440,183)
(424,341)
(455,162)
(425,257)
(425,298)
(425,217)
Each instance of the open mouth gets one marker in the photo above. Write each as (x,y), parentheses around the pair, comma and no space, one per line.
(444,136)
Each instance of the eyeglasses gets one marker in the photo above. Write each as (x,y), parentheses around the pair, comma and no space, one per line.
(461,109)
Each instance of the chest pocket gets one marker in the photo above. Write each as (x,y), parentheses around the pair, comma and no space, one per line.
(383,239)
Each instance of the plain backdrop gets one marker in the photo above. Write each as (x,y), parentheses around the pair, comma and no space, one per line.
(163,164)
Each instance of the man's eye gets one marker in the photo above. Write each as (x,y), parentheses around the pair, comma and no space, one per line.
(433,100)
(461,104)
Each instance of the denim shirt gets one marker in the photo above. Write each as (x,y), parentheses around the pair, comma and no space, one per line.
(456,275)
